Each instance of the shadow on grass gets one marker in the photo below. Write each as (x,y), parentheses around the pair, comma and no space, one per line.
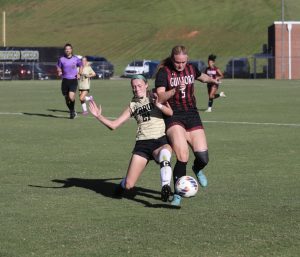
(57,110)
(106,188)
(45,115)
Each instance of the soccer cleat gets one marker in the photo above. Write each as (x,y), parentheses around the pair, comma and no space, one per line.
(201,177)
(85,113)
(91,98)
(165,193)
(118,192)
(222,94)
(73,115)
(209,109)
(176,200)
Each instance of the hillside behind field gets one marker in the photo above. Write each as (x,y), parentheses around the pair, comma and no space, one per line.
(125,30)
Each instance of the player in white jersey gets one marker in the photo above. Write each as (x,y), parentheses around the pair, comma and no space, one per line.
(151,141)
(84,84)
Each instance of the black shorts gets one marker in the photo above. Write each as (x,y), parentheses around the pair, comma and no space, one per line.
(145,148)
(209,86)
(189,120)
(68,85)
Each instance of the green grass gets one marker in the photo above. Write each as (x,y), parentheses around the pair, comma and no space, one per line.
(250,208)
(126,30)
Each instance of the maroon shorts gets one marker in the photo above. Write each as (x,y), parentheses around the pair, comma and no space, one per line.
(189,120)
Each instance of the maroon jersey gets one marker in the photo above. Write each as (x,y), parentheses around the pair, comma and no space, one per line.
(212,72)
(183,100)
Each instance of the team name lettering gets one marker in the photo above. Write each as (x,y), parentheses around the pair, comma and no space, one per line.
(174,82)
(144,109)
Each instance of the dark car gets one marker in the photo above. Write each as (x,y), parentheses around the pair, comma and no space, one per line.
(45,71)
(237,68)
(22,71)
(199,64)
(102,67)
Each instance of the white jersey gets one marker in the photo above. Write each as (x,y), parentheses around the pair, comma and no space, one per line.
(149,119)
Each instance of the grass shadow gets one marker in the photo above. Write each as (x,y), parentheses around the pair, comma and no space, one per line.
(45,115)
(106,188)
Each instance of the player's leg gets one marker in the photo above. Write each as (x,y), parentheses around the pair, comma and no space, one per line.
(197,140)
(82,96)
(177,137)
(163,156)
(210,99)
(65,92)
(72,96)
(136,166)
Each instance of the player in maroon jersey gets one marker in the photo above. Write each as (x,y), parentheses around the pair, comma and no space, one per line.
(212,88)
(175,83)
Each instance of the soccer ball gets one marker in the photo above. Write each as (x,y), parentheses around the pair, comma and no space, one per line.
(186,186)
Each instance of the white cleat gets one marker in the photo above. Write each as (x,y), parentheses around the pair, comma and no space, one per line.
(209,109)
(222,94)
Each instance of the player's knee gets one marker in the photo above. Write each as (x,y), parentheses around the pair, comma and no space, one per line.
(182,155)
(201,160)
(82,98)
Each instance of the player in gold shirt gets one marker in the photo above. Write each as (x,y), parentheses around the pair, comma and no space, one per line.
(85,83)
(151,141)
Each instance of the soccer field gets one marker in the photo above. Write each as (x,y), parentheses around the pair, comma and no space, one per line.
(57,177)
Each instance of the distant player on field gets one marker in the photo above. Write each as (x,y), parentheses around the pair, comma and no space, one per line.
(175,83)
(67,68)
(151,141)
(212,88)
(84,84)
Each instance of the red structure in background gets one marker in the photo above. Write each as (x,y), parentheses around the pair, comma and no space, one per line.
(284,44)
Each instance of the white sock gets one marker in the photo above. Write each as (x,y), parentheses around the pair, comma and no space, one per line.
(84,108)
(87,98)
(123,183)
(165,170)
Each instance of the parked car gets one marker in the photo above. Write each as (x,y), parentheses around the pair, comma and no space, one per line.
(21,71)
(199,64)
(137,67)
(5,71)
(45,71)
(237,68)
(102,67)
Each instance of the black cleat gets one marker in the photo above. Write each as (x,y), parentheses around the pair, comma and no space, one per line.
(118,193)
(73,115)
(165,193)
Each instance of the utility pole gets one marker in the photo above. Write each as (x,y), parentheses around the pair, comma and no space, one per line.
(4,28)
(282,41)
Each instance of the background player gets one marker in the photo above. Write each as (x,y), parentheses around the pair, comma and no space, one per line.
(175,83)
(212,88)
(67,68)
(151,141)
(85,83)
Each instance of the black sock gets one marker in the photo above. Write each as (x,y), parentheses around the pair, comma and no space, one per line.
(179,170)
(72,105)
(217,95)
(210,102)
(67,102)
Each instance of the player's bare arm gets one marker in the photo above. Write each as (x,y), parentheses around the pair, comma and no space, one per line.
(165,108)
(96,111)
(207,79)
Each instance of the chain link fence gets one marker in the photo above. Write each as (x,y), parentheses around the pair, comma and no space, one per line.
(255,67)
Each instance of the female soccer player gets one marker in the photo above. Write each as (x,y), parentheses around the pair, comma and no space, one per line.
(151,141)
(67,68)
(175,83)
(84,84)
(212,88)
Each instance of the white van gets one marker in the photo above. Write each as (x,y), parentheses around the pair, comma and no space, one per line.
(137,67)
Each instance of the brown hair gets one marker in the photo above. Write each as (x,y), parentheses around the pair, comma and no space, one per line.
(175,51)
